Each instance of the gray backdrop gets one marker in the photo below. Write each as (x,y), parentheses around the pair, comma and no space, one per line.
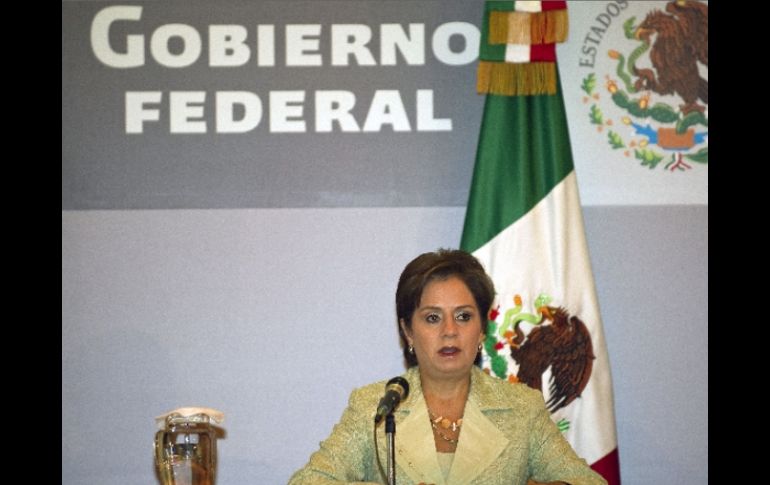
(106,168)
(254,273)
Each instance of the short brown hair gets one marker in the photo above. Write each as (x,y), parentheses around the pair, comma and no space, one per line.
(440,265)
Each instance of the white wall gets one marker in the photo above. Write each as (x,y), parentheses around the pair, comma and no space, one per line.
(651,270)
(274,315)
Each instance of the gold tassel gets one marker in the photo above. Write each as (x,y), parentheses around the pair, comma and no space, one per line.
(519,28)
(538,28)
(483,74)
(549,27)
(498,27)
(510,27)
(558,26)
(519,79)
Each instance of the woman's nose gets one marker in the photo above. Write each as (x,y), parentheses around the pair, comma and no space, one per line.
(449,328)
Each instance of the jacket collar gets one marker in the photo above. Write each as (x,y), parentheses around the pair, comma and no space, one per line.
(481,442)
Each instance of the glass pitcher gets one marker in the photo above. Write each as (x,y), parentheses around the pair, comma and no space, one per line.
(186,447)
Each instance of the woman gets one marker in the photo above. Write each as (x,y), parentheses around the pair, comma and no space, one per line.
(457,425)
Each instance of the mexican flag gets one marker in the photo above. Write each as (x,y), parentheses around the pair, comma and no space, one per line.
(524,223)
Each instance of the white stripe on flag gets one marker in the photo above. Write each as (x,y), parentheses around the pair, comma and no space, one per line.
(545,251)
(518,53)
(528,6)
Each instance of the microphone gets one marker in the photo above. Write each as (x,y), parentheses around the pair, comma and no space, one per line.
(395,391)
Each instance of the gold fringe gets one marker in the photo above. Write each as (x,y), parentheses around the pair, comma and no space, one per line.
(483,74)
(558,22)
(520,79)
(547,27)
(550,27)
(538,28)
(498,27)
(519,28)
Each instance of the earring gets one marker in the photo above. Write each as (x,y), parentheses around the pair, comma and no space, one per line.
(411,350)
(481,346)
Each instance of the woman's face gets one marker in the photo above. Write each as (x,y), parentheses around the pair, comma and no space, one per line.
(446,329)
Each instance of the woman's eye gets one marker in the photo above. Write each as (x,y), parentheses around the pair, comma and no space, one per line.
(432,318)
(463,317)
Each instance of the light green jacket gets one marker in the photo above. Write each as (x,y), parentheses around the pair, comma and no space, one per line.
(507,437)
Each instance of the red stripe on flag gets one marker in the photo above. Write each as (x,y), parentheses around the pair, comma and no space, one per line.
(553,5)
(609,467)
(542,53)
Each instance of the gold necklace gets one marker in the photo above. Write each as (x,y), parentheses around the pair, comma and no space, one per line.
(436,421)
(442,435)
(444,422)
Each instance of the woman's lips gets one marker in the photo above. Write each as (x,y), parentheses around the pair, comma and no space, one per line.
(449,351)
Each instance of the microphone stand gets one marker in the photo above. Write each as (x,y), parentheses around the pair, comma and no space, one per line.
(390,433)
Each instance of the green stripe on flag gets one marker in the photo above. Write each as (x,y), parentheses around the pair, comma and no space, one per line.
(523,153)
(499,5)
(487,51)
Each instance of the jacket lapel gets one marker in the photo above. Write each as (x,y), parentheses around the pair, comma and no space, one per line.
(415,448)
(479,446)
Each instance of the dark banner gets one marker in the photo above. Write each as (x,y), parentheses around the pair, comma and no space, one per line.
(268,104)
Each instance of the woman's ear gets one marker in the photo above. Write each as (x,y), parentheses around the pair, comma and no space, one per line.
(406,330)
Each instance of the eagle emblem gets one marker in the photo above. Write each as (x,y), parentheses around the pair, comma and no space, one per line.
(558,342)
(681,41)
(659,88)
(565,346)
